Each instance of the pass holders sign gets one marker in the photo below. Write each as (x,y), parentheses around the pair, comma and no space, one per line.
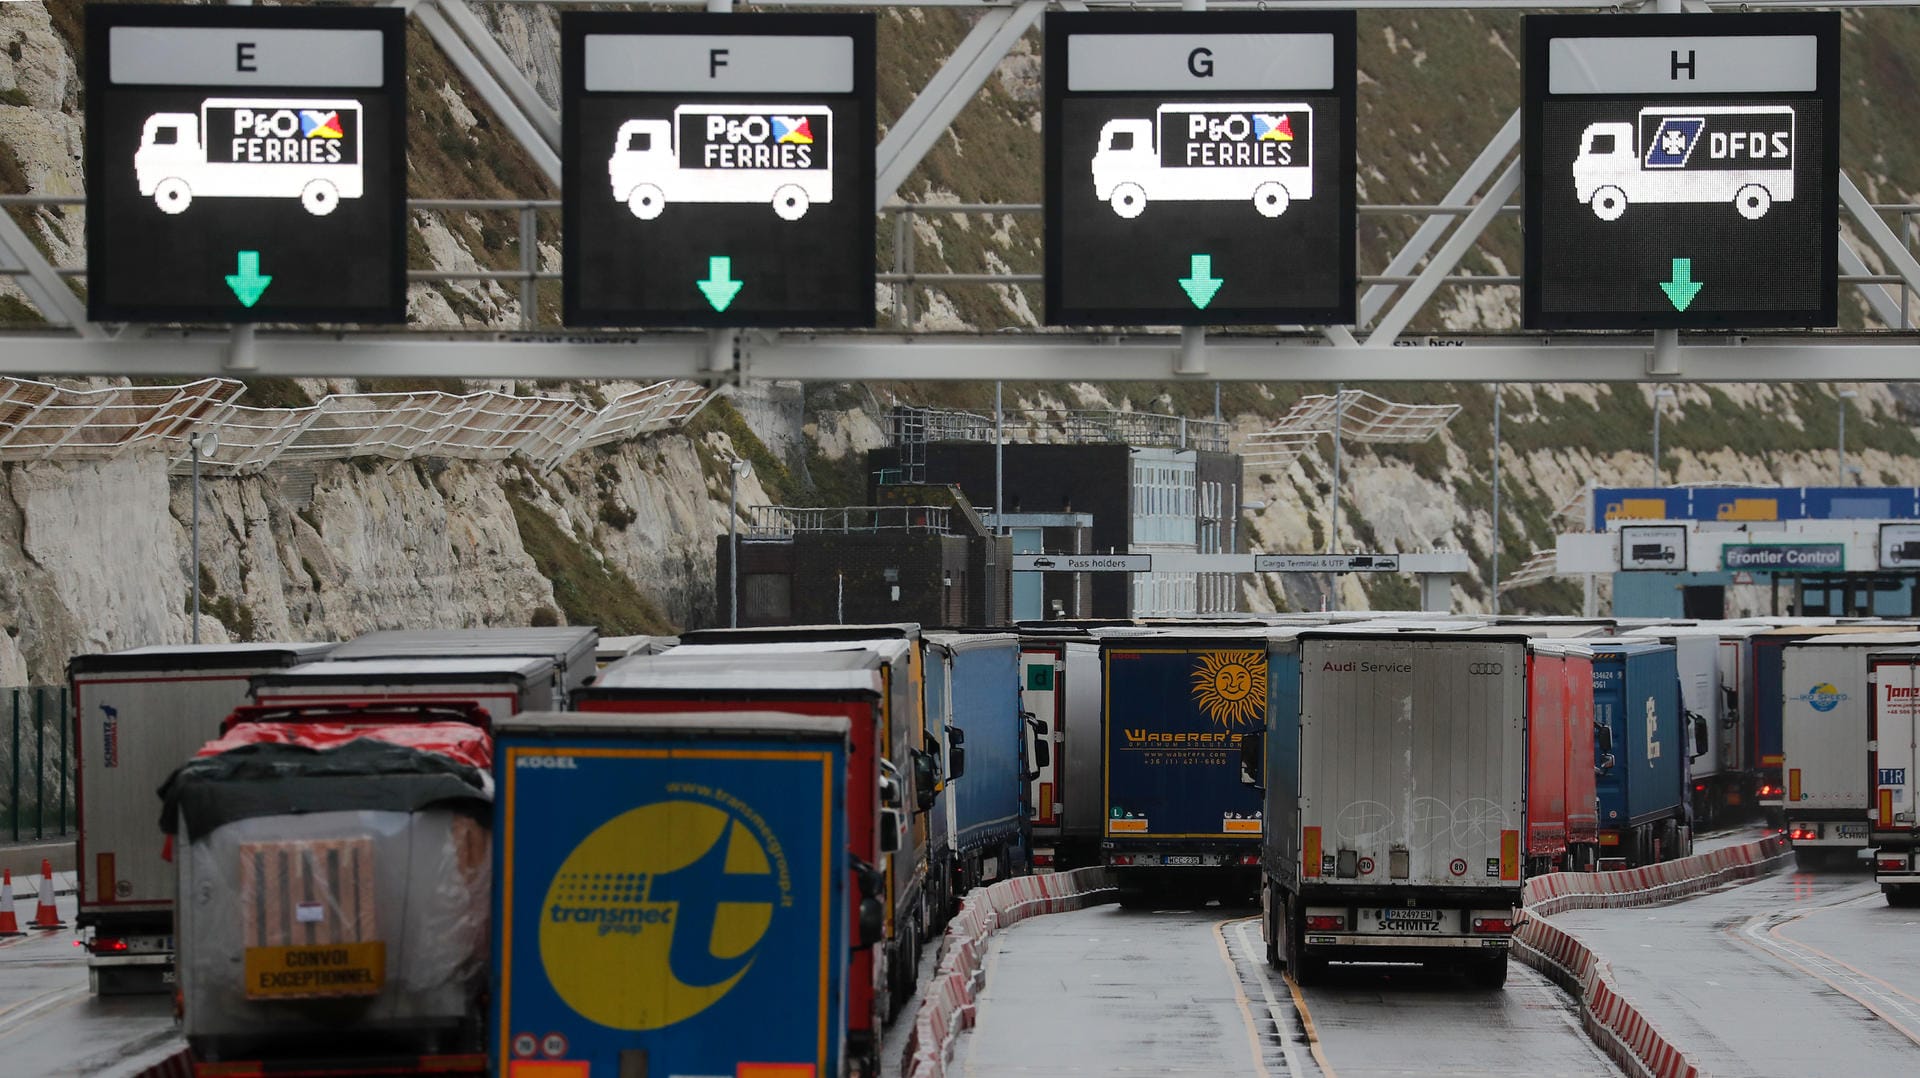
(1083,563)
(1785,557)
(1326,563)
(1653,547)
(718,170)
(1900,546)
(1681,171)
(1199,168)
(246,164)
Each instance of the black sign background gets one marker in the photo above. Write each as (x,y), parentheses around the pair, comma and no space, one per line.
(623,271)
(150,266)
(1586,273)
(1103,269)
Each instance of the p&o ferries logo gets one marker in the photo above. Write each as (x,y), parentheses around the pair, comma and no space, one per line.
(660,912)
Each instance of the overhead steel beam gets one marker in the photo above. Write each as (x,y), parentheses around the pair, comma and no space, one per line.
(1886,307)
(961,77)
(41,283)
(1884,239)
(523,128)
(362,356)
(1449,255)
(1503,142)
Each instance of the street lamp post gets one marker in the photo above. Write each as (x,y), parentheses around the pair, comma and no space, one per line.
(1840,462)
(1499,391)
(1661,394)
(198,445)
(738,469)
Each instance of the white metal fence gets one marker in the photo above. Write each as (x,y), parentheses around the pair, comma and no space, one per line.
(1360,416)
(42,421)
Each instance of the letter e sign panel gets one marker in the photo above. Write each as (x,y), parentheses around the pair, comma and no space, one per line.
(1681,171)
(246,164)
(1200,168)
(718,169)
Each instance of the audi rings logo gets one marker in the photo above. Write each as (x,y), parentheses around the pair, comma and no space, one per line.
(1485,669)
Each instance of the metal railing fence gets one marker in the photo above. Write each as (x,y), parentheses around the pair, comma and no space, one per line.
(37,762)
(785,521)
(1068,426)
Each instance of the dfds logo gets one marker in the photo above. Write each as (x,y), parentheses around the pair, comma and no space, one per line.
(659,913)
(1822,697)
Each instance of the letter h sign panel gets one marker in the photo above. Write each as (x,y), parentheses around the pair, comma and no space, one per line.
(1681,171)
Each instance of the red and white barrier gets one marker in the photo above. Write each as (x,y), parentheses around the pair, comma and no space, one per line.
(947,1006)
(1610,1017)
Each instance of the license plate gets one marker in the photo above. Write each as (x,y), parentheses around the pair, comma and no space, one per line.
(1852,830)
(1183,859)
(166,976)
(1406,920)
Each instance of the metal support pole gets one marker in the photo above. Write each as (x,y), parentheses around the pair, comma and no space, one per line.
(529,265)
(1192,360)
(193,447)
(39,766)
(999,508)
(13,794)
(1656,437)
(63,759)
(1339,418)
(733,546)
(1840,454)
(1498,392)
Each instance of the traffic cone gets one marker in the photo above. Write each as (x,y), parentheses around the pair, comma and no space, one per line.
(9,922)
(44,914)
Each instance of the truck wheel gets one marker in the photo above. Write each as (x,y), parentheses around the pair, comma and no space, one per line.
(172,195)
(1489,972)
(1608,203)
(1753,201)
(646,201)
(1270,928)
(1128,200)
(1810,859)
(1270,199)
(320,197)
(790,202)
(1904,896)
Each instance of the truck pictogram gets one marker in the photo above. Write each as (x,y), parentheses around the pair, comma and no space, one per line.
(253,148)
(780,155)
(1741,154)
(1206,152)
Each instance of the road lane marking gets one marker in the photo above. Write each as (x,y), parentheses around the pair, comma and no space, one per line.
(1240,999)
(17,1015)
(1807,959)
(1257,957)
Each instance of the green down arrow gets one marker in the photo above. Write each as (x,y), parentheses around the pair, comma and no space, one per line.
(1202,286)
(719,287)
(248,283)
(1681,290)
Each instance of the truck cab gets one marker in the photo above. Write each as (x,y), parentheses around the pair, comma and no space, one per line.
(641,147)
(1607,153)
(169,146)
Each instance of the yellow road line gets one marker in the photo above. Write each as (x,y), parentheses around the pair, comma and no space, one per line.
(1306,1020)
(1240,996)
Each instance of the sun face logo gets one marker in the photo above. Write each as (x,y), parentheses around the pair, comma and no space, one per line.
(1231,687)
(658,914)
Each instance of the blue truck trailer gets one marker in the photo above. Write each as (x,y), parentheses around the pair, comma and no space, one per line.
(1640,753)
(973,693)
(669,895)
(1175,705)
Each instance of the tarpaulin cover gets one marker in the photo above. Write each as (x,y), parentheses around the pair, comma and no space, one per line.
(269,778)
(459,741)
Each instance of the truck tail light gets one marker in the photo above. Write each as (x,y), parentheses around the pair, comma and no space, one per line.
(1767,789)
(1802,834)
(1326,923)
(1122,859)
(108,945)
(1892,864)
(1493,924)
(1249,858)
(1043,858)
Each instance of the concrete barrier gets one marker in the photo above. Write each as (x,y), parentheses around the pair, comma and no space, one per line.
(948,1005)
(1610,1018)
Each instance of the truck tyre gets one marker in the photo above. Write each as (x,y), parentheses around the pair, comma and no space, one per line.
(1128,200)
(1809,859)
(1904,896)
(790,202)
(1270,199)
(172,195)
(1608,203)
(1270,928)
(646,201)
(320,197)
(1489,972)
(1753,201)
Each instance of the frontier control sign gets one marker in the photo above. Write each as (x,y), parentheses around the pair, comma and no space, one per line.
(1199,168)
(245,164)
(718,169)
(1785,557)
(1682,171)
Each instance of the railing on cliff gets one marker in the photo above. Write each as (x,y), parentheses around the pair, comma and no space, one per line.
(785,521)
(1059,425)
(43,421)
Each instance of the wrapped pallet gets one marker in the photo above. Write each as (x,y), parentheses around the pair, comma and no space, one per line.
(334,884)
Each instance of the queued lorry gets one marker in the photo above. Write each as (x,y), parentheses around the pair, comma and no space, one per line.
(137,715)
(1060,688)
(1639,753)
(1563,821)
(859,683)
(1176,704)
(973,695)
(1393,767)
(1893,765)
(1721,773)
(1767,697)
(1824,721)
(721,944)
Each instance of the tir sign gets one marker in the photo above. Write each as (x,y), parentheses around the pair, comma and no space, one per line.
(246,164)
(1681,171)
(1200,168)
(718,169)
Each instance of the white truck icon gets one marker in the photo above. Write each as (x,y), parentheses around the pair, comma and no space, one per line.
(252,148)
(1262,153)
(1741,154)
(780,155)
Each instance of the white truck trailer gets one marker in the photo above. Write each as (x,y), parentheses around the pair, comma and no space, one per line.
(1824,720)
(253,148)
(1394,766)
(1893,763)
(780,155)
(1258,153)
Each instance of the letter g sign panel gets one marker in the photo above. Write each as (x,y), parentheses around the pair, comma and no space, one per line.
(1200,168)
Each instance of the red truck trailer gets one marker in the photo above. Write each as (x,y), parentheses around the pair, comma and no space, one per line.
(1563,825)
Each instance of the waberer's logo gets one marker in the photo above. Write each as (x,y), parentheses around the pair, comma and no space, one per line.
(660,912)
(1230,687)
(1822,697)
